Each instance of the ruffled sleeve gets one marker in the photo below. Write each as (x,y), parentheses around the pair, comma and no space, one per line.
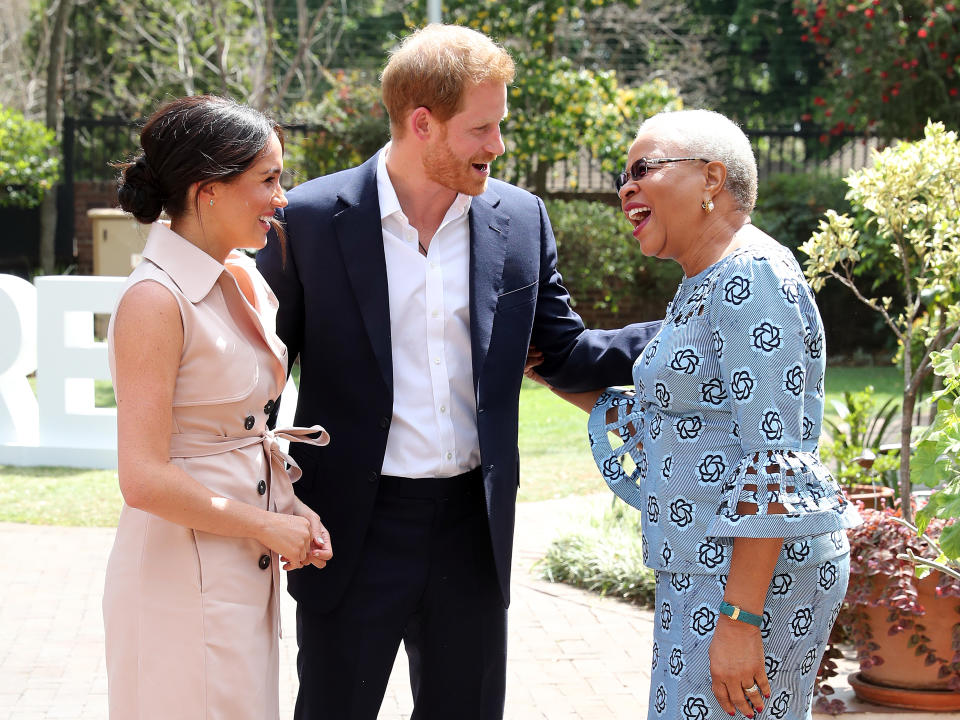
(623,465)
(812,502)
(772,361)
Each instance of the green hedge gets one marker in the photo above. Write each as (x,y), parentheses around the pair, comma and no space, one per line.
(29,160)
(789,208)
(602,264)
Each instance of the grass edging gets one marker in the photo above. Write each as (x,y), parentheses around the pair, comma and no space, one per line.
(604,555)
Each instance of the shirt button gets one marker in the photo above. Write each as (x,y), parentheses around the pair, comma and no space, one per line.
(264,562)
(449,456)
(262,487)
(373,476)
(384,423)
(443,408)
(436,361)
(435,313)
(249,422)
(268,408)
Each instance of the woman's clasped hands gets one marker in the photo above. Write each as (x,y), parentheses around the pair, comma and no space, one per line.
(299,539)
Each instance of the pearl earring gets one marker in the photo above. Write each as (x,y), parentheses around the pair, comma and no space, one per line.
(707,205)
(211,202)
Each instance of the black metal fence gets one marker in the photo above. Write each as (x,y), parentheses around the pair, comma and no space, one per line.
(91,145)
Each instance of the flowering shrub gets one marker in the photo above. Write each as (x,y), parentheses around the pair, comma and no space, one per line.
(29,160)
(891,66)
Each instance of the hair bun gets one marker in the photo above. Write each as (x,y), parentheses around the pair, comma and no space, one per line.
(139,193)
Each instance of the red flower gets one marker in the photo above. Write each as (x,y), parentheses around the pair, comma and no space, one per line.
(824,138)
(944,56)
(953,92)
(883,74)
(885,98)
(851,8)
(867,70)
(803,38)
(858,49)
(819,101)
(806,117)
(950,7)
(895,91)
(921,33)
(869,12)
(868,26)
(828,112)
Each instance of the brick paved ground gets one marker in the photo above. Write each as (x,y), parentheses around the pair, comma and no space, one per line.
(573,656)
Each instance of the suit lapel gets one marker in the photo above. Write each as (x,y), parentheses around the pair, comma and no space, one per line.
(489,233)
(360,235)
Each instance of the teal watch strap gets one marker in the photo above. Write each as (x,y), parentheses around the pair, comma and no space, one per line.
(735,613)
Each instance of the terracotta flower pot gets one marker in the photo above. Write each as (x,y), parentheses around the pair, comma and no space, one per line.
(937,700)
(876,497)
(902,668)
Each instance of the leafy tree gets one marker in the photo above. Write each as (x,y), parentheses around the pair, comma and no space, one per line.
(890,65)
(557,110)
(126,57)
(763,74)
(907,214)
(28,167)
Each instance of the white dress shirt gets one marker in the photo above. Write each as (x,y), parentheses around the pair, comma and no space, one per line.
(434,427)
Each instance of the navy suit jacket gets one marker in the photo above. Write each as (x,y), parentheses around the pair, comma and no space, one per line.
(334,316)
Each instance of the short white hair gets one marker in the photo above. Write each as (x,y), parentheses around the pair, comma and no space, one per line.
(710,135)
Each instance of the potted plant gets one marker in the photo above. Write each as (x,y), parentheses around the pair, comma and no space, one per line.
(904,226)
(856,448)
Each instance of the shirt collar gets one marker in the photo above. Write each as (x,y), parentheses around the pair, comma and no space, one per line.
(390,203)
(194,272)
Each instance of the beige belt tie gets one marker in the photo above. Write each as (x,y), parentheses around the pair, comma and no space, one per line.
(280,479)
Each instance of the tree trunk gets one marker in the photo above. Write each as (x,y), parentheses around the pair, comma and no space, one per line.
(906,425)
(48,210)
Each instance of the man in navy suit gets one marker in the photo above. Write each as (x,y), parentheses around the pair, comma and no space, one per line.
(410,288)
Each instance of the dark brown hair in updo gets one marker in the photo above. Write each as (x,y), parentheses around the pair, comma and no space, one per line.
(198,139)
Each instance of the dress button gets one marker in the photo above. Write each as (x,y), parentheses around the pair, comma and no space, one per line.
(249,422)
(262,487)
(384,423)
(264,562)
(268,408)
(373,476)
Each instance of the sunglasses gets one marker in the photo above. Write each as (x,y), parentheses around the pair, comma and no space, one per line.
(641,166)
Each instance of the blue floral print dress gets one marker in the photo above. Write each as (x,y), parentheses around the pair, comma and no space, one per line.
(726,416)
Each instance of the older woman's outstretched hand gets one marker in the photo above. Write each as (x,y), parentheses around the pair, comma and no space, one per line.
(737,667)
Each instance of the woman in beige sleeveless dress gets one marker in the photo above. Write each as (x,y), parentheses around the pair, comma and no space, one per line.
(191,603)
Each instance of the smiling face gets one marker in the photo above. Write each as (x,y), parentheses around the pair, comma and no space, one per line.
(459,154)
(664,205)
(244,206)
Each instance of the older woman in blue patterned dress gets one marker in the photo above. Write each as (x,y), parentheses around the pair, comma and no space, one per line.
(717,446)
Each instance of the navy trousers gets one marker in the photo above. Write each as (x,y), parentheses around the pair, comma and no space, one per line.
(426,578)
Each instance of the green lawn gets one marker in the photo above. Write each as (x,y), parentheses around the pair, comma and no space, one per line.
(555,458)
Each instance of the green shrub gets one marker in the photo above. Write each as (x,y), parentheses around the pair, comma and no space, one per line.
(29,160)
(789,209)
(601,262)
(604,556)
(789,206)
